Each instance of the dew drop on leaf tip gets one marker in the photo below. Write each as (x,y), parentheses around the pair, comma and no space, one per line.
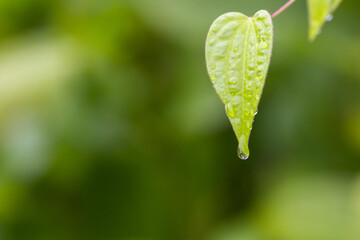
(241,154)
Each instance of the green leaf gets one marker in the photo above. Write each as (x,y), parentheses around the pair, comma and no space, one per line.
(319,12)
(238,51)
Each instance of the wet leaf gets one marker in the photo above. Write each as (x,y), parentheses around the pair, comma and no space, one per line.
(320,11)
(238,51)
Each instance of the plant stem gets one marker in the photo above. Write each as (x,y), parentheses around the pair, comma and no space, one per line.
(282,8)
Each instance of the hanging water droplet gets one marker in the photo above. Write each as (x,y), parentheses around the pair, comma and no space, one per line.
(212,77)
(329,17)
(241,154)
(235,49)
(213,67)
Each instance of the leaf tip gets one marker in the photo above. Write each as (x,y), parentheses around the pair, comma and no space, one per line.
(243,148)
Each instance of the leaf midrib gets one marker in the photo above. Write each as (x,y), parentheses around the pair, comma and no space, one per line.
(244,76)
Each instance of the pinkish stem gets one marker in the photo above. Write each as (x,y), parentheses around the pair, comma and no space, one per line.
(282,8)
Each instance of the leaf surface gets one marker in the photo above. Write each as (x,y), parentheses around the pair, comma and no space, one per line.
(238,51)
(319,12)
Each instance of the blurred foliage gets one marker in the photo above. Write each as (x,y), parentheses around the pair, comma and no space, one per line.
(110,128)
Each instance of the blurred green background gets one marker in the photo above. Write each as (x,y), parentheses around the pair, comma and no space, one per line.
(110,128)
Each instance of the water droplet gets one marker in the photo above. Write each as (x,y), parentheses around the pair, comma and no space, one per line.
(213,67)
(263,45)
(233,92)
(212,77)
(261,32)
(235,49)
(249,86)
(241,154)
(261,59)
(318,32)
(261,15)
(260,78)
(329,17)
(230,110)
(260,70)
(258,26)
(251,65)
(236,100)
(232,81)
(250,74)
